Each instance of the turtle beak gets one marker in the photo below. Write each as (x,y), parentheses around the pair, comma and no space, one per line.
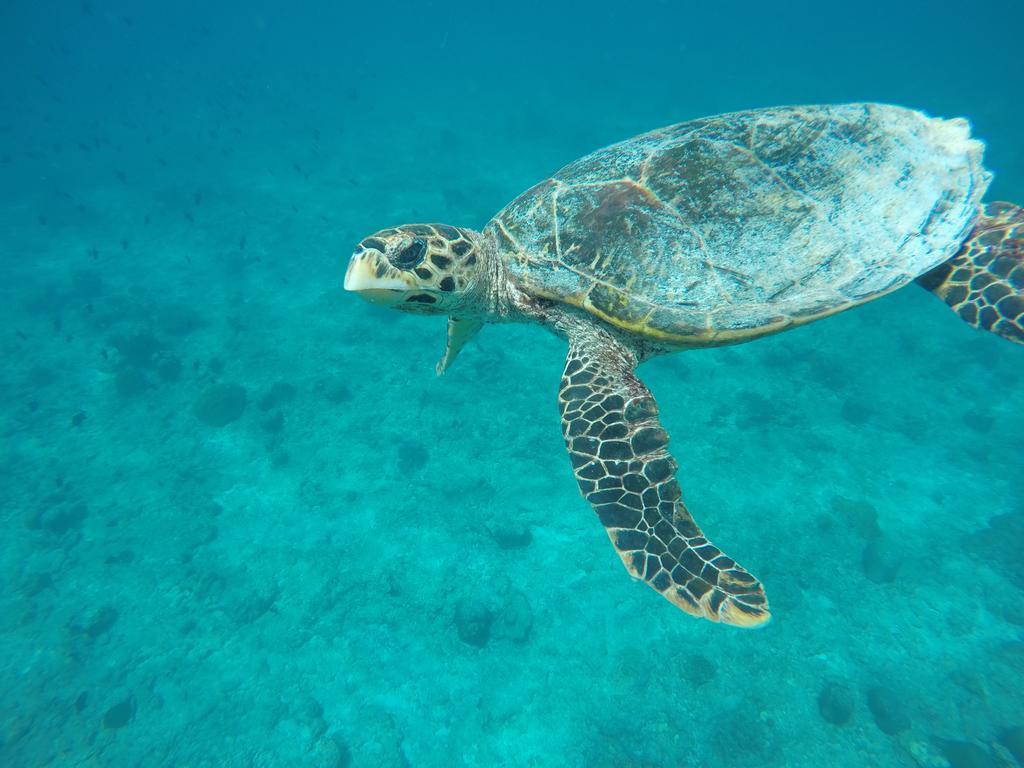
(370,276)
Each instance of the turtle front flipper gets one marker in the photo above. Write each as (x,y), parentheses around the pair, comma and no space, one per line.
(460,331)
(984,282)
(619,453)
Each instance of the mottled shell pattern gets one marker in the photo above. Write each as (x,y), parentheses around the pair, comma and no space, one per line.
(730,227)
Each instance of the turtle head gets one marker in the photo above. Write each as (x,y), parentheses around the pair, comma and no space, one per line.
(422,268)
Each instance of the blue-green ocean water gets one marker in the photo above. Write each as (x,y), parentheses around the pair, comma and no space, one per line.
(244,523)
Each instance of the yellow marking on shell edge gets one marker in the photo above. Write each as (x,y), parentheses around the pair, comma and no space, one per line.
(709,337)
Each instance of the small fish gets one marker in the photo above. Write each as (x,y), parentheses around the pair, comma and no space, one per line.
(78,418)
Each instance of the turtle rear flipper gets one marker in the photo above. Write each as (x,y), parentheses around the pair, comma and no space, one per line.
(619,454)
(984,282)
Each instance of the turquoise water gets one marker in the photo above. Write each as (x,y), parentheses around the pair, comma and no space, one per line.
(245,523)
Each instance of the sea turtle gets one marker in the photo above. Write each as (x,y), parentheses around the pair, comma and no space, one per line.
(710,232)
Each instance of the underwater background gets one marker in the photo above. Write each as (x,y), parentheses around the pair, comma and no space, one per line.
(244,523)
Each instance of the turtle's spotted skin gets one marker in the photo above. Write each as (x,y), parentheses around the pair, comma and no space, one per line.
(442,259)
(983,283)
(710,232)
(731,227)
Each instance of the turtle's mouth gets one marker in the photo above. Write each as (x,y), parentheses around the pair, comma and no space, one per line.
(376,281)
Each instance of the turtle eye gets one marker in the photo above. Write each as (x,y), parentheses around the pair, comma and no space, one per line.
(410,256)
